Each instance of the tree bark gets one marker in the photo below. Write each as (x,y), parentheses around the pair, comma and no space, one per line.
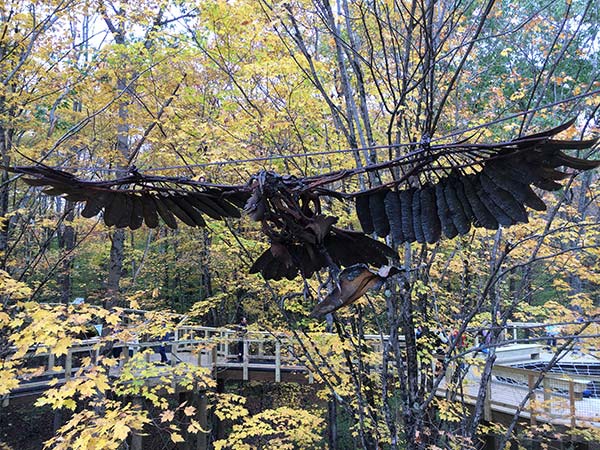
(115,267)
(66,242)
(4,191)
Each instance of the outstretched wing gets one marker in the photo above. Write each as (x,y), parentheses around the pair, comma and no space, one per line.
(484,185)
(435,191)
(131,200)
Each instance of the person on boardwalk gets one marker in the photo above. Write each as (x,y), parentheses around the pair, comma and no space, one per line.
(242,329)
(163,348)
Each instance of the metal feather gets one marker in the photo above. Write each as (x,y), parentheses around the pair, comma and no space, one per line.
(149,211)
(503,199)
(364,213)
(429,218)
(502,217)
(190,210)
(93,206)
(164,212)
(482,215)
(459,218)
(521,191)
(114,208)
(408,230)
(377,208)
(137,215)
(393,210)
(443,211)
(416,217)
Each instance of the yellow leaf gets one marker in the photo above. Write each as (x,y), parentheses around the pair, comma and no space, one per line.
(189,411)
(167,416)
(121,431)
(62,346)
(176,437)
(195,427)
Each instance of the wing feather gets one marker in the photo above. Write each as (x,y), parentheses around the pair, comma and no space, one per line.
(429,216)
(137,214)
(190,210)
(93,206)
(114,207)
(521,191)
(416,217)
(377,208)
(482,215)
(149,211)
(457,213)
(502,218)
(443,211)
(363,212)
(503,199)
(393,210)
(407,222)
(164,212)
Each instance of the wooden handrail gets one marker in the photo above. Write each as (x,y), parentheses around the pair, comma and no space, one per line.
(213,348)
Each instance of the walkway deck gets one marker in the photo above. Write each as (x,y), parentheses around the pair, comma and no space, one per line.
(266,357)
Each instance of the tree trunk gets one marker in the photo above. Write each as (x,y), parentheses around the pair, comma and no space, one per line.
(115,267)
(66,242)
(4,191)
(332,419)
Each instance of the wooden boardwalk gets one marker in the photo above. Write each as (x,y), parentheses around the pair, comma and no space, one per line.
(560,398)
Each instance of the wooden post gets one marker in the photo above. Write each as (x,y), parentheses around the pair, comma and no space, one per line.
(261,349)
(173,353)
(219,425)
(202,442)
(226,346)
(125,350)
(515,335)
(487,404)
(572,403)
(245,359)
(199,357)
(136,439)
(51,361)
(547,396)
(214,353)
(531,399)
(277,361)
(188,398)
(68,364)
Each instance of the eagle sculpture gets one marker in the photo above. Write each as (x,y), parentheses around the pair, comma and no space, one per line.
(433,190)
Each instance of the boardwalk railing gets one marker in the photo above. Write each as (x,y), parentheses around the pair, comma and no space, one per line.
(559,398)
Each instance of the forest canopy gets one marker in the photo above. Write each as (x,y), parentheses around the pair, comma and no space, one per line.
(217,91)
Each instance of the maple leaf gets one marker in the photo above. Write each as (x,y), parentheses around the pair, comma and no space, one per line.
(167,416)
(121,430)
(195,427)
(176,437)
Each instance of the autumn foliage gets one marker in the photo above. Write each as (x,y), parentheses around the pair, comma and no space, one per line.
(218,90)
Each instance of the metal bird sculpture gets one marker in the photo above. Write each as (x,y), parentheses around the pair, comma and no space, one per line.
(434,190)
